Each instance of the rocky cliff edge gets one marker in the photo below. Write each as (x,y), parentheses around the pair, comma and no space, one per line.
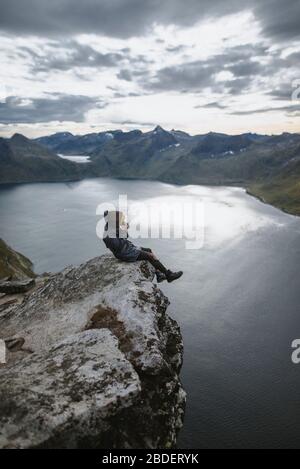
(92,360)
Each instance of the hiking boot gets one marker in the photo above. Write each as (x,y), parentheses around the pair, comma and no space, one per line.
(171,276)
(160,277)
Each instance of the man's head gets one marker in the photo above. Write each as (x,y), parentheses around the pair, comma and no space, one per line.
(115,222)
(115,217)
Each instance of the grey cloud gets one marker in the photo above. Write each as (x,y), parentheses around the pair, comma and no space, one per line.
(201,74)
(119,94)
(282,93)
(279,19)
(58,107)
(125,18)
(129,74)
(192,76)
(176,49)
(242,52)
(293,59)
(120,18)
(238,85)
(212,105)
(125,75)
(252,66)
(246,68)
(292,109)
(71,55)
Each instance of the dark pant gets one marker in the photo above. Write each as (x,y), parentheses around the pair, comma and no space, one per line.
(145,255)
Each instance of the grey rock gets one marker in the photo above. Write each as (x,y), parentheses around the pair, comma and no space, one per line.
(16,286)
(65,394)
(93,361)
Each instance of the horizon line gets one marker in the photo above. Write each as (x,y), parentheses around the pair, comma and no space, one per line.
(109,130)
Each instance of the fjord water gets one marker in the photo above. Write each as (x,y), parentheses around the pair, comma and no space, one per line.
(238,303)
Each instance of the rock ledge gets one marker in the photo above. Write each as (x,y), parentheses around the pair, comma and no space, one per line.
(92,361)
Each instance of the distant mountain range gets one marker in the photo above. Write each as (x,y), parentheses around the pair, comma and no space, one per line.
(69,144)
(269,166)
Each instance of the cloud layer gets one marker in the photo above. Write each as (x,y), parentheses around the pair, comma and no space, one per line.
(126,18)
(104,62)
(58,107)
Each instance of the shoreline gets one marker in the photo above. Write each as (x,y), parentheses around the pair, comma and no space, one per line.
(264,201)
(45,181)
(228,184)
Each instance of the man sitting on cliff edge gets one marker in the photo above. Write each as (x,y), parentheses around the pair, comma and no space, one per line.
(115,237)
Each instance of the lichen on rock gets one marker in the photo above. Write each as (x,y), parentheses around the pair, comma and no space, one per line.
(93,361)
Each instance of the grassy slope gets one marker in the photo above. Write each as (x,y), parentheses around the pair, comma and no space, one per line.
(269,172)
(13,264)
(283,190)
(284,194)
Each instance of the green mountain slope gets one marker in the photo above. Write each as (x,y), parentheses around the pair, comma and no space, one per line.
(282,190)
(258,161)
(138,155)
(13,264)
(22,160)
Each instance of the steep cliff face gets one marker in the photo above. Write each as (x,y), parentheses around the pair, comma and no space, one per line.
(92,360)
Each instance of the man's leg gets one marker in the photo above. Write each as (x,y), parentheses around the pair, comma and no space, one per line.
(149,256)
(159,267)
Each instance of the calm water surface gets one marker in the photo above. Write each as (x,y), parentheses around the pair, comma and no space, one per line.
(238,303)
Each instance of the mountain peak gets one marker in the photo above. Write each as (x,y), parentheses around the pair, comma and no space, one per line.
(158,128)
(19,137)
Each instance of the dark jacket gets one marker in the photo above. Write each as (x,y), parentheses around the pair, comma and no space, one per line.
(121,247)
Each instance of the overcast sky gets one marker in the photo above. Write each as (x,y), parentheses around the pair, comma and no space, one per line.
(196,65)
